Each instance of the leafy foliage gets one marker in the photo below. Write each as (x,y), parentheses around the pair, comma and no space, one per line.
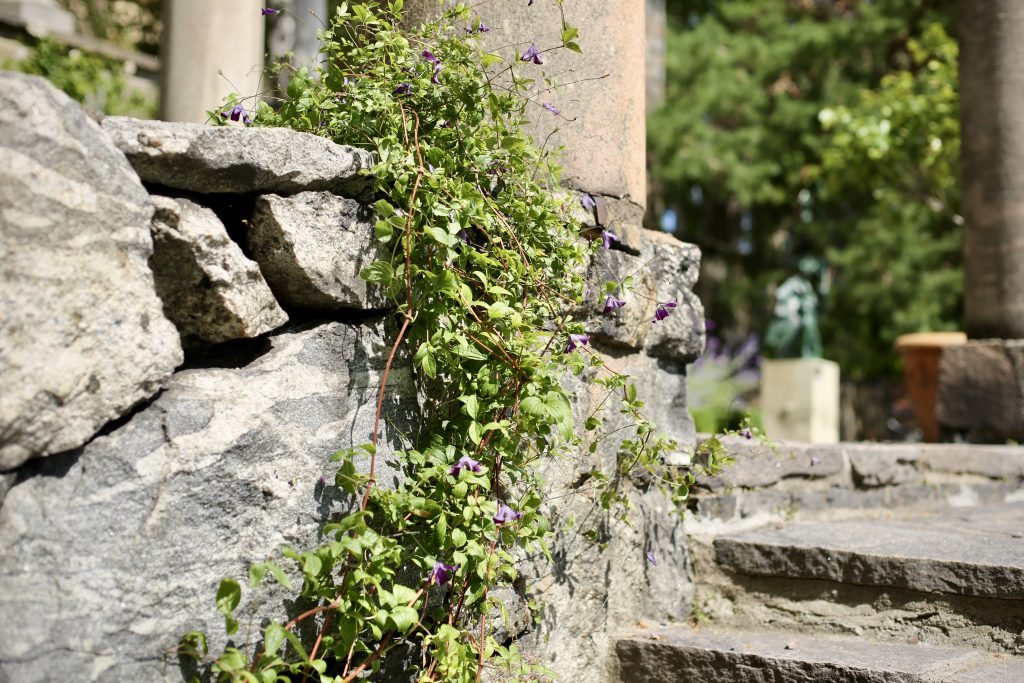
(90,79)
(738,144)
(484,262)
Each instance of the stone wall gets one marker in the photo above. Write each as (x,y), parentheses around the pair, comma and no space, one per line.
(184,340)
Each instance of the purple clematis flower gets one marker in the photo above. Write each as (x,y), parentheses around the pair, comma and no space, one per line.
(552,108)
(437,71)
(237,112)
(611,303)
(746,434)
(650,558)
(403,89)
(575,341)
(664,310)
(532,54)
(815,460)
(269,11)
(442,573)
(588,203)
(465,462)
(506,514)
(429,56)
(607,237)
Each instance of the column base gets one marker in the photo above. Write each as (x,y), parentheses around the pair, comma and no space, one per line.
(981,390)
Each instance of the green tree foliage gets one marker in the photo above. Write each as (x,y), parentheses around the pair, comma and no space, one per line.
(739,150)
(95,81)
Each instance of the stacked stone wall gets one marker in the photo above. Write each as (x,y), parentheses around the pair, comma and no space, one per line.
(184,341)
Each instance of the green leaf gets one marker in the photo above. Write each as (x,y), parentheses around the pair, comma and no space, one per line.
(569,33)
(489,59)
(229,594)
(256,573)
(531,405)
(574,46)
(403,618)
(472,406)
(499,309)
(474,432)
(273,636)
(458,538)
(403,594)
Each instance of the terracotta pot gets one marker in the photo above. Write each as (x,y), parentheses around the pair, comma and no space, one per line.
(921,353)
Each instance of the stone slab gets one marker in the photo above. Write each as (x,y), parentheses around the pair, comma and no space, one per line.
(312,246)
(682,654)
(213,159)
(210,290)
(759,465)
(83,337)
(972,551)
(981,389)
(109,554)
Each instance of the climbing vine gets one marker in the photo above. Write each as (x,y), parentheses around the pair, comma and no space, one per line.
(485,264)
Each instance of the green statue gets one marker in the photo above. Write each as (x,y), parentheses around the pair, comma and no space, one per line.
(793,332)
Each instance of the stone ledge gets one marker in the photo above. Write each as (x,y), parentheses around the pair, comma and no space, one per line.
(680,653)
(210,159)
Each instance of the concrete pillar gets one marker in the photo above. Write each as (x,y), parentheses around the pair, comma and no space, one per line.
(38,17)
(296,31)
(991,34)
(603,129)
(655,52)
(202,38)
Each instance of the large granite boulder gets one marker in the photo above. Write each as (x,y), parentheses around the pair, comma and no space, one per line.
(210,159)
(109,554)
(211,291)
(83,337)
(312,247)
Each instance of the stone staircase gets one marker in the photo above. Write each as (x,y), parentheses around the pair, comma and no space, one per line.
(855,562)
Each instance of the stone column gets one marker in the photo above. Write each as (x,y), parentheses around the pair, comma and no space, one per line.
(38,17)
(602,125)
(991,36)
(296,30)
(981,383)
(210,49)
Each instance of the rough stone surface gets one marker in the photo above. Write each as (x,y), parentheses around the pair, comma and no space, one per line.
(973,552)
(675,266)
(83,337)
(590,591)
(745,656)
(110,553)
(208,159)
(210,290)
(311,248)
(628,326)
(876,467)
(759,465)
(987,373)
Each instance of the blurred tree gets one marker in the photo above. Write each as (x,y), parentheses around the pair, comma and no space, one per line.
(739,149)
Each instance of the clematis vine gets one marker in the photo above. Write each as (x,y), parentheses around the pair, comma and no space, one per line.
(467,463)
(607,237)
(576,341)
(506,514)
(438,66)
(532,54)
(664,310)
(611,303)
(483,28)
(237,112)
(442,573)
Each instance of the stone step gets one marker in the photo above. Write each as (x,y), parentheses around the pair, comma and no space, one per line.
(976,552)
(680,654)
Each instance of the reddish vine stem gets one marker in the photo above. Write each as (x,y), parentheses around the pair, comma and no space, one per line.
(383,385)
